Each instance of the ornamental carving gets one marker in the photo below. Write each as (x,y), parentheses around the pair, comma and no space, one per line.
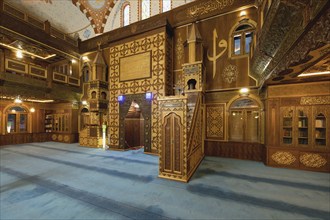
(179,50)
(283,158)
(315,100)
(230,73)
(157,84)
(207,7)
(215,121)
(312,160)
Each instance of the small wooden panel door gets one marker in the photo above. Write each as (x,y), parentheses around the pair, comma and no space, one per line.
(172,143)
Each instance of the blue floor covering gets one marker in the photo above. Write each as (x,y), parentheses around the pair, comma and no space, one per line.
(64,181)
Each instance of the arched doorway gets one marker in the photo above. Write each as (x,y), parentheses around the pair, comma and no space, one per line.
(145,109)
(244,120)
(134,127)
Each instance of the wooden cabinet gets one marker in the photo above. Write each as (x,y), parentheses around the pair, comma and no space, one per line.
(321,126)
(304,138)
(304,126)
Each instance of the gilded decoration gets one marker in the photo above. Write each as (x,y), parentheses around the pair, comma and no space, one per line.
(179,49)
(230,73)
(283,158)
(207,7)
(312,160)
(315,100)
(215,121)
(155,44)
(215,56)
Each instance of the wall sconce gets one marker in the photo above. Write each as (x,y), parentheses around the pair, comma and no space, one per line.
(149,96)
(32,109)
(121,98)
(244,91)
(242,13)
(84,102)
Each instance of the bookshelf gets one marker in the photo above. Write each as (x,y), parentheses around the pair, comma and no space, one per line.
(320,131)
(48,121)
(303,131)
(287,129)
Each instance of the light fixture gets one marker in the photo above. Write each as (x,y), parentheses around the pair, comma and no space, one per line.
(242,13)
(32,109)
(149,95)
(27,52)
(120,98)
(85,58)
(244,91)
(314,74)
(84,102)
(18,100)
(19,54)
(73,61)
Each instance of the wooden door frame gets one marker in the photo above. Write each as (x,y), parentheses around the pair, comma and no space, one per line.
(145,106)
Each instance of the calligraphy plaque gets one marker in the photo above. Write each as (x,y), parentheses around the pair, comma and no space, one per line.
(135,67)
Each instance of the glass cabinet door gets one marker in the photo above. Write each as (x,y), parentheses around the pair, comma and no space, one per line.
(303,128)
(320,130)
(287,125)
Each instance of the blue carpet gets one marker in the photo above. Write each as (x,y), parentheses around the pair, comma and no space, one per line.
(63,181)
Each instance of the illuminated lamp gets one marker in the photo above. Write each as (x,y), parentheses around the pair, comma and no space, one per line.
(149,95)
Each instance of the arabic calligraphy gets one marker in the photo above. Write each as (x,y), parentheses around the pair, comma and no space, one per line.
(215,57)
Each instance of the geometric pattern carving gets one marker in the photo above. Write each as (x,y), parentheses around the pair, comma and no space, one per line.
(230,73)
(215,121)
(283,158)
(315,100)
(156,83)
(312,160)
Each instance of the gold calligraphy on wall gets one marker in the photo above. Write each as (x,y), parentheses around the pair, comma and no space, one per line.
(207,7)
(222,44)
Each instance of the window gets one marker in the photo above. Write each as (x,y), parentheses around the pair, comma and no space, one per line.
(244,121)
(242,39)
(165,5)
(144,9)
(126,14)
(17,118)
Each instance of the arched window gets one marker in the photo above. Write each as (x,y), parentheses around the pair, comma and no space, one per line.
(244,120)
(126,11)
(145,9)
(241,39)
(17,118)
(165,5)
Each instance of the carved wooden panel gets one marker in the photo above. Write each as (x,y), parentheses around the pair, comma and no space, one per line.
(155,44)
(215,121)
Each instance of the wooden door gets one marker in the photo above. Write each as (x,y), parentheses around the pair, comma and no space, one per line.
(172,143)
